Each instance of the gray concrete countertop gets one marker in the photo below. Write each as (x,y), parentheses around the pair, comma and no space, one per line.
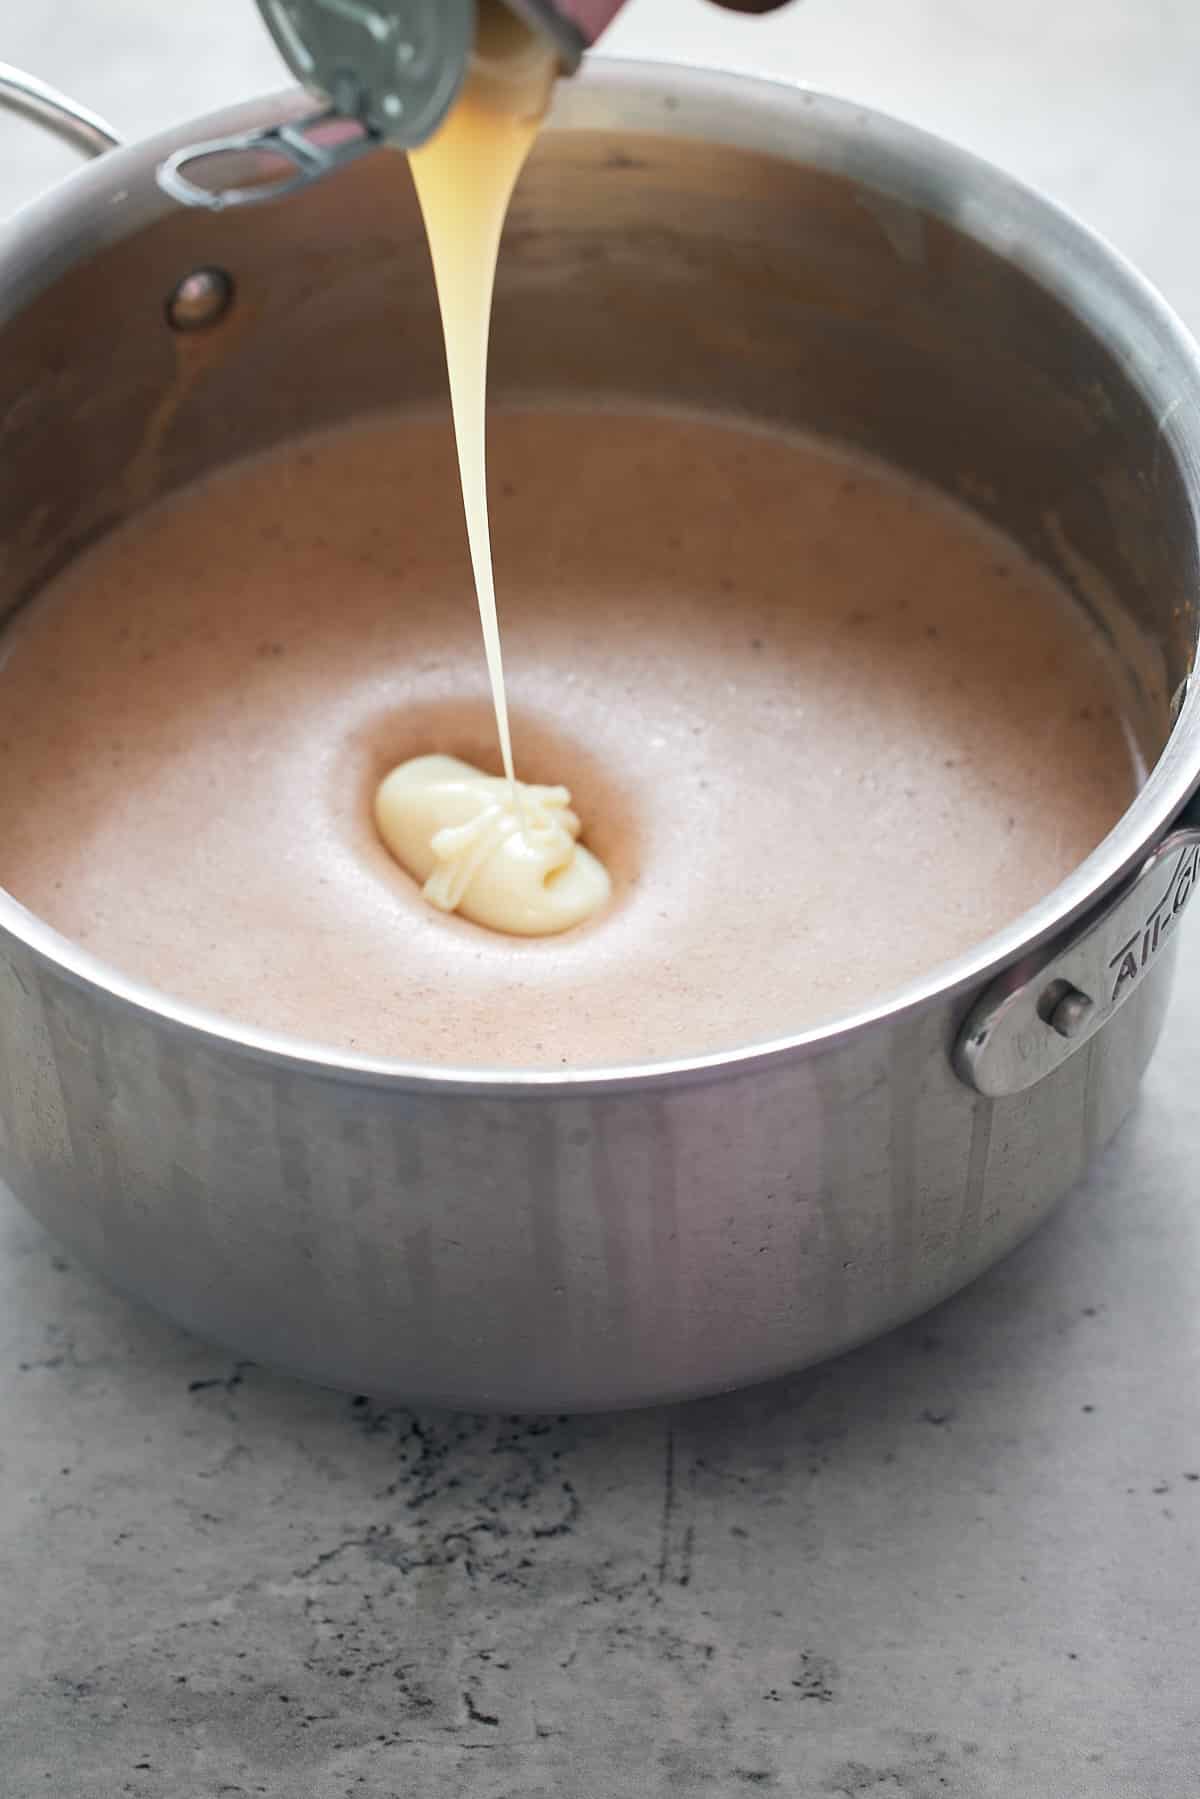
(959,1564)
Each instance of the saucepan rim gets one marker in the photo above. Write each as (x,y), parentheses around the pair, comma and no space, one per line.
(1101,289)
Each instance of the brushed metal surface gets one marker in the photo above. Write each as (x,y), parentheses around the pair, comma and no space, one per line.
(574,1249)
(610,1236)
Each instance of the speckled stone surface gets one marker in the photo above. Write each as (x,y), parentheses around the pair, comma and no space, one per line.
(961,1563)
(958,1564)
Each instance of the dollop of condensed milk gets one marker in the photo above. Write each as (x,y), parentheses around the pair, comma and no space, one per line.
(500,852)
(503,854)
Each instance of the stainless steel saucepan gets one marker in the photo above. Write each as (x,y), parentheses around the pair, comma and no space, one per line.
(610,1237)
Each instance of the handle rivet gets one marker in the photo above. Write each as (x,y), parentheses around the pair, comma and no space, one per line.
(200,300)
(1070,1013)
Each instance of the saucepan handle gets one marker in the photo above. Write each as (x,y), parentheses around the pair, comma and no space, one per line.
(1039,1014)
(75,125)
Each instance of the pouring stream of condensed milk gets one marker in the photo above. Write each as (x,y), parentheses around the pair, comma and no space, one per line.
(502,853)
(385,73)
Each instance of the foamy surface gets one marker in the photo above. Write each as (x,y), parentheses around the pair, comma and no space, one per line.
(825,730)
